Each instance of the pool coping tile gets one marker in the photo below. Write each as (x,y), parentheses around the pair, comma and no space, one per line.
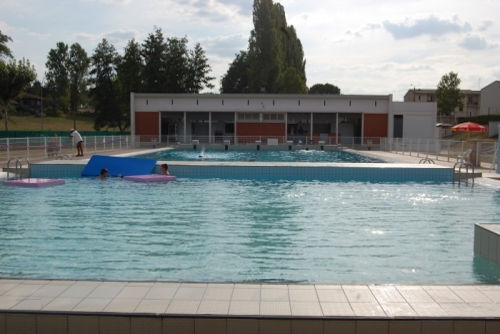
(255,300)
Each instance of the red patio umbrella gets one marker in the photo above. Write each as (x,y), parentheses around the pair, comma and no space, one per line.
(469,127)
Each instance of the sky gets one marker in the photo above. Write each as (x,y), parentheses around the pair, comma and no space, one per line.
(361,46)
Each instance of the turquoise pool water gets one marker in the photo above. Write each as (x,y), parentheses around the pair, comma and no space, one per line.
(246,231)
(262,155)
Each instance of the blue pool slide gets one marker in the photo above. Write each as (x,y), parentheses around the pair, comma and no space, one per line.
(118,166)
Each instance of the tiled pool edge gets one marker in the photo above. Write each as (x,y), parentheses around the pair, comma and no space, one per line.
(437,308)
(363,172)
(98,324)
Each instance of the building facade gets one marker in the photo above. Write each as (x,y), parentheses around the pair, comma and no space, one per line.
(280,119)
(472,100)
(490,99)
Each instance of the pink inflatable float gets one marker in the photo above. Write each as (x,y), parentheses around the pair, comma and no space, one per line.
(34,182)
(150,178)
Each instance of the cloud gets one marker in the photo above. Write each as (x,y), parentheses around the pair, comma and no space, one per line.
(485,25)
(360,32)
(431,26)
(117,38)
(225,46)
(119,2)
(219,10)
(474,43)
(244,6)
(120,36)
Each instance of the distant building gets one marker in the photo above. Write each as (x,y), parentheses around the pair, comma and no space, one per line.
(490,99)
(278,118)
(472,100)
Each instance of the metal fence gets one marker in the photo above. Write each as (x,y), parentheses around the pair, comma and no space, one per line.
(482,152)
(58,147)
(42,148)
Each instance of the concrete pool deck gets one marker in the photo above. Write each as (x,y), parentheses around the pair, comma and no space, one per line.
(59,306)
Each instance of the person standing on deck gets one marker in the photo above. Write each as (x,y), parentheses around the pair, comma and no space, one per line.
(77,138)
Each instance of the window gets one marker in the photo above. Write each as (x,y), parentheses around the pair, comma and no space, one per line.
(248,116)
(273,117)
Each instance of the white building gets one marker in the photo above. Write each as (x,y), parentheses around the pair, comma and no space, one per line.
(490,99)
(332,119)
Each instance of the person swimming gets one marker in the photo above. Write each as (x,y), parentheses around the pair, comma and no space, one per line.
(164,169)
(104,174)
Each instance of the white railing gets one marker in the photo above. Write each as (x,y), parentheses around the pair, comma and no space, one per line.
(483,152)
(43,148)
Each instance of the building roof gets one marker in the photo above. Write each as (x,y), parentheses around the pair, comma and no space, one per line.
(496,82)
(272,96)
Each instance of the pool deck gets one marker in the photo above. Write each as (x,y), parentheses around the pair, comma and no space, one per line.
(64,306)
(59,306)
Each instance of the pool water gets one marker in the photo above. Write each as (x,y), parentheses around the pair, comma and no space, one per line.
(246,231)
(261,155)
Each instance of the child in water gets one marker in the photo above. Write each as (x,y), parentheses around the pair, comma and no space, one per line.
(104,174)
(164,169)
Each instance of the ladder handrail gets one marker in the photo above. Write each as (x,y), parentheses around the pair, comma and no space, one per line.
(466,165)
(18,167)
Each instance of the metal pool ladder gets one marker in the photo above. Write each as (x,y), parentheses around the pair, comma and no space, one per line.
(463,162)
(18,171)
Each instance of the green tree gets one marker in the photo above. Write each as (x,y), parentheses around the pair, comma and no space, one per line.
(448,94)
(106,93)
(14,78)
(57,78)
(153,52)
(176,66)
(198,71)
(273,49)
(324,89)
(170,67)
(290,82)
(4,49)
(129,73)
(77,65)
(263,50)
(130,68)
(236,78)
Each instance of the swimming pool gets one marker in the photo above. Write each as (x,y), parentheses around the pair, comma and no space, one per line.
(220,230)
(261,155)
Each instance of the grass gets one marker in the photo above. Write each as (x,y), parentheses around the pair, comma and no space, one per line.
(63,123)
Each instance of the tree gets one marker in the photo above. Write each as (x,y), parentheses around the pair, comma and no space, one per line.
(129,73)
(77,65)
(57,77)
(4,49)
(273,49)
(153,52)
(14,78)
(106,93)
(171,68)
(130,68)
(176,65)
(198,71)
(290,82)
(236,78)
(263,50)
(448,94)
(324,89)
